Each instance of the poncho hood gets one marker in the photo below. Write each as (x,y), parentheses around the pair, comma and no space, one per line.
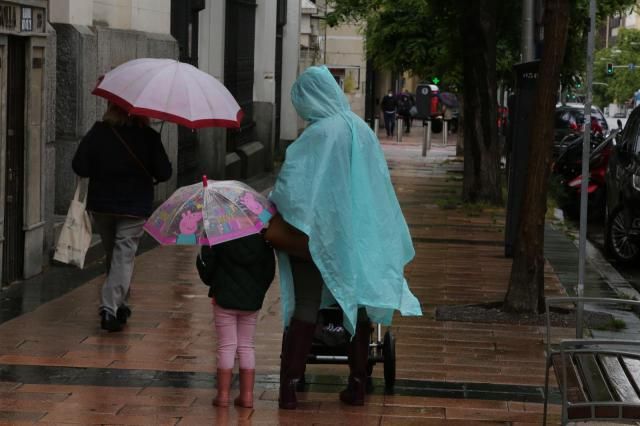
(335,187)
(315,95)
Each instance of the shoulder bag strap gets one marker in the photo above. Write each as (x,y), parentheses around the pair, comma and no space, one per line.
(126,145)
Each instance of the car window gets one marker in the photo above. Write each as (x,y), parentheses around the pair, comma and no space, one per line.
(574,119)
(601,120)
(568,119)
(630,133)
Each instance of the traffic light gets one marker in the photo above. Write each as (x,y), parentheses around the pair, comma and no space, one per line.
(609,69)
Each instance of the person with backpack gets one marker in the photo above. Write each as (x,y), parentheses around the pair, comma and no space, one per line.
(405,103)
(239,273)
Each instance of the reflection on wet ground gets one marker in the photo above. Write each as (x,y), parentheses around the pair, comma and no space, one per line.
(112,377)
(56,281)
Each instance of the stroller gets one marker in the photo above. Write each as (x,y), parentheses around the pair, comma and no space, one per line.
(330,347)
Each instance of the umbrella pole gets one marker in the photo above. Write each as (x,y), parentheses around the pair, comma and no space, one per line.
(162,126)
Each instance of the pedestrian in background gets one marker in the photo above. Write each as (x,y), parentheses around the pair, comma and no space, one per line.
(340,234)
(388,106)
(405,102)
(122,157)
(239,273)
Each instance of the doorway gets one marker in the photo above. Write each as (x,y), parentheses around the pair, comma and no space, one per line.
(13,256)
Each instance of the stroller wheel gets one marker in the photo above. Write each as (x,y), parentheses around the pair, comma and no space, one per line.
(389,357)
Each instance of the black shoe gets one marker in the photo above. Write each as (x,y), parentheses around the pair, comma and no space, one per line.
(123,314)
(109,322)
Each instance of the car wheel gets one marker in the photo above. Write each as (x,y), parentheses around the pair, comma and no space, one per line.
(618,237)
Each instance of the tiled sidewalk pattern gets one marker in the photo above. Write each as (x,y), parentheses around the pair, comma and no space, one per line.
(459,260)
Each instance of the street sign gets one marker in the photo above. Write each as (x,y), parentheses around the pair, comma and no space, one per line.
(435,80)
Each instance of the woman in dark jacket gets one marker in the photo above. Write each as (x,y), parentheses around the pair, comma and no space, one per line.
(123,158)
(239,273)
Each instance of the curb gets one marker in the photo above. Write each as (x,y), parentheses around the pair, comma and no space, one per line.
(603,267)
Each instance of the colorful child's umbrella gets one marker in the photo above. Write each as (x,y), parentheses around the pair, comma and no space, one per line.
(209,213)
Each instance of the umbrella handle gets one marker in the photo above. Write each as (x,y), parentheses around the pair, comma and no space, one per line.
(205,181)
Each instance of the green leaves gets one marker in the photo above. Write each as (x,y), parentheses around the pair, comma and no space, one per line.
(625,80)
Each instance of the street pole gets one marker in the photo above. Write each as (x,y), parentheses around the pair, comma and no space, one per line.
(586,151)
(527,31)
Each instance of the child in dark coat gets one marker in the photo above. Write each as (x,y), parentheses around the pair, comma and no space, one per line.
(239,273)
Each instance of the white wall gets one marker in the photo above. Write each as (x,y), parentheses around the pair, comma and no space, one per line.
(264,83)
(290,58)
(211,29)
(113,13)
(75,12)
(152,16)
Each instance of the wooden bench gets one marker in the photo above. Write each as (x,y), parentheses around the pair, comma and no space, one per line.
(598,379)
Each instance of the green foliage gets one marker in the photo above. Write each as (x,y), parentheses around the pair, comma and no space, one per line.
(624,82)
(614,324)
(422,37)
(575,55)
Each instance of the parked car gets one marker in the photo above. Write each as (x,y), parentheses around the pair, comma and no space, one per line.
(622,213)
(569,121)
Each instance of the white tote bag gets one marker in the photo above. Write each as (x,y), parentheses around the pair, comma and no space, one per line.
(75,236)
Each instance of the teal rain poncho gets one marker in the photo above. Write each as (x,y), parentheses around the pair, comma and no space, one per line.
(335,187)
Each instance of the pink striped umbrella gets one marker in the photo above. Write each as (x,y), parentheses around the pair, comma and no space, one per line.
(170,90)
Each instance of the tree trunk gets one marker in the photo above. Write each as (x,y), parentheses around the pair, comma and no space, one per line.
(526,286)
(481,152)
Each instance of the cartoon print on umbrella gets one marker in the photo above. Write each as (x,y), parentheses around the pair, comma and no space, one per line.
(255,207)
(188,227)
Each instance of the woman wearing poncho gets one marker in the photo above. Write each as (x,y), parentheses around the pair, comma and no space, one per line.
(340,234)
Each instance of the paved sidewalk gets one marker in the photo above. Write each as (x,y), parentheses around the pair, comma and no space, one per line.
(57,366)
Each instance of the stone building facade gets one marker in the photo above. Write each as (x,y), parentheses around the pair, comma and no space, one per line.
(27,92)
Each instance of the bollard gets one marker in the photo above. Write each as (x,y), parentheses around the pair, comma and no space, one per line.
(445,133)
(425,126)
(400,130)
(376,126)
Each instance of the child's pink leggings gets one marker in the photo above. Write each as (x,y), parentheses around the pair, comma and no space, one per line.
(236,331)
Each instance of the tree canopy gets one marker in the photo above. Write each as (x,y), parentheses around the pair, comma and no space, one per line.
(422,37)
(625,81)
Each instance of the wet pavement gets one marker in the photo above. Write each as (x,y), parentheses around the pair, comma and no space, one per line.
(57,366)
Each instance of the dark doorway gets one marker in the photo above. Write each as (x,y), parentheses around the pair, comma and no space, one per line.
(240,24)
(370,101)
(184,28)
(13,256)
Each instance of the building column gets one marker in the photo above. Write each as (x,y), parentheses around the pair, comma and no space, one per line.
(211,40)
(290,59)
(264,83)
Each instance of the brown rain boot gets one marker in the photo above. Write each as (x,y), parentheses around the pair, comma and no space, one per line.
(223,384)
(247,379)
(295,348)
(358,352)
